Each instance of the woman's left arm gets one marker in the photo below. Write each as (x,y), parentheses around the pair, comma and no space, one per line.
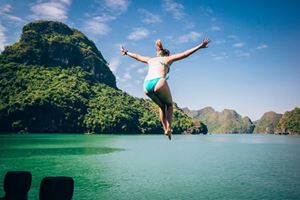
(188,52)
(138,57)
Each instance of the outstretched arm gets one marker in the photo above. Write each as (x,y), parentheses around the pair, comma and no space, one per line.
(188,52)
(138,57)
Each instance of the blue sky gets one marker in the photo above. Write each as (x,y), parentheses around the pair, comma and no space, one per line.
(251,66)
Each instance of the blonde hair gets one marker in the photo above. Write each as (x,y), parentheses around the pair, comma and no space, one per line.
(159,47)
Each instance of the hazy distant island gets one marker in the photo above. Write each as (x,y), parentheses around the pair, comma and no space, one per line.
(55,80)
(229,121)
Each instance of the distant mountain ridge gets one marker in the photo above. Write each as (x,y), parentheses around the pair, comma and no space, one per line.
(289,122)
(267,123)
(229,121)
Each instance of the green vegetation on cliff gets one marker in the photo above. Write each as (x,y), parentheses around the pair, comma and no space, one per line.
(55,80)
(51,44)
(227,121)
(267,123)
(290,122)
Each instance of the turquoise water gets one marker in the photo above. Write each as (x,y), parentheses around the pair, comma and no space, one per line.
(152,167)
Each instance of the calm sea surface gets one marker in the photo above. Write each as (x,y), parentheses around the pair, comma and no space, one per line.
(152,167)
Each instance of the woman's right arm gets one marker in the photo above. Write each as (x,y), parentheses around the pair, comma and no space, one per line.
(188,52)
(138,57)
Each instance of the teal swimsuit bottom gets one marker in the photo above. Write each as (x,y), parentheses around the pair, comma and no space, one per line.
(149,85)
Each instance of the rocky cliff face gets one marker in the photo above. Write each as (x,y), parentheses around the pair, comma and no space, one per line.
(289,123)
(227,121)
(51,44)
(267,123)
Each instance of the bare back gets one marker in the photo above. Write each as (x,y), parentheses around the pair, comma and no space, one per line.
(157,68)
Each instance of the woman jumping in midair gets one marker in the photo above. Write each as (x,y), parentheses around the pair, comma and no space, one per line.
(155,84)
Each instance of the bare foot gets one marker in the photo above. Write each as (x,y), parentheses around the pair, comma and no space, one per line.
(169,133)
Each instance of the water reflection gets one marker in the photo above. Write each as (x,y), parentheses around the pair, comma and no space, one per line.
(29,152)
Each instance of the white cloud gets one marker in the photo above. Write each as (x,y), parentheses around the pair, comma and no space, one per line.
(239,53)
(7,8)
(67,2)
(126,76)
(221,56)
(191,36)
(104,18)
(138,82)
(244,54)
(98,25)
(220,41)
(96,28)
(141,70)
(169,37)
(118,45)
(262,46)
(232,36)
(176,9)
(215,28)
(207,11)
(117,6)
(150,18)
(138,33)
(2,37)
(129,85)
(52,10)
(132,66)
(238,44)
(14,18)
(114,64)
(5,12)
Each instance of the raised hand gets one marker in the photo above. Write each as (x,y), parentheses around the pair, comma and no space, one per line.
(205,43)
(123,50)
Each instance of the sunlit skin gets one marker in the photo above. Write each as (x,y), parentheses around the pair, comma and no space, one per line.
(161,94)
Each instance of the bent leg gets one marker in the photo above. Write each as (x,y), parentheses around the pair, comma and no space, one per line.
(163,119)
(162,107)
(169,117)
(163,92)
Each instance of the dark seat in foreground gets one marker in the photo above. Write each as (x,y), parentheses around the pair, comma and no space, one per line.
(17,185)
(57,188)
